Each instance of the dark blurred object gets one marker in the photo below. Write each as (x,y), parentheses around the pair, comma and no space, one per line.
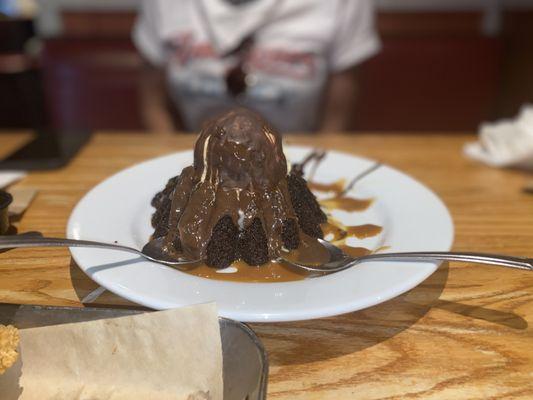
(14,33)
(20,77)
(5,200)
(528,188)
(236,78)
(49,150)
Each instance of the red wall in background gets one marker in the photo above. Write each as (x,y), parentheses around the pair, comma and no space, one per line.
(434,83)
(92,83)
(436,72)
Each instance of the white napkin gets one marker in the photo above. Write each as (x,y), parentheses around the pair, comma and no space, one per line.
(506,143)
(9,177)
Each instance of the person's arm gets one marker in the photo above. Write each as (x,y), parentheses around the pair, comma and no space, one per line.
(152,85)
(355,40)
(339,101)
(154,107)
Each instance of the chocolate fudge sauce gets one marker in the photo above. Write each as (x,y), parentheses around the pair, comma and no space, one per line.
(239,170)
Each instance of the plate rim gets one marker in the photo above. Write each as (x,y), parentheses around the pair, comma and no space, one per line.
(321,312)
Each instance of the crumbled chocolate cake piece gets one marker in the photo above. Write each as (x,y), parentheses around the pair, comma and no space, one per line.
(159,232)
(162,202)
(306,207)
(160,220)
(316,156)
(160,217)
(253,244)
(222,247)
(176,243)
(290,234)
(166,193)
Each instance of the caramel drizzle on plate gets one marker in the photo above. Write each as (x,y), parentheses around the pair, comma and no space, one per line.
(271,272)
(346,204)
(336,187)
(309,251)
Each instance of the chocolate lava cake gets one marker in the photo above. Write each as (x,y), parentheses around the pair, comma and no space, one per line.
(237,201)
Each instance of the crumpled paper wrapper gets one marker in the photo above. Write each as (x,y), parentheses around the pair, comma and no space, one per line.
(22,198)
(9,177)
(166,355)
(506,143)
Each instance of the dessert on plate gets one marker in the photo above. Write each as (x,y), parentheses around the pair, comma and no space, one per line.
(239,200)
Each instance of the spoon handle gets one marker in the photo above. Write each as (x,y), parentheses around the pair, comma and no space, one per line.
(11,242)
(479,258)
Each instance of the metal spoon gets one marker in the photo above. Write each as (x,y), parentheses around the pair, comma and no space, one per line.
(152,251)
(340,261)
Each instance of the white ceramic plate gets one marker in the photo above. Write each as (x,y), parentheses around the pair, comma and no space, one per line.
(118,209)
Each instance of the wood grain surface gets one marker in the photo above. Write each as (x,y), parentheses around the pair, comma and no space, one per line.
(465,333)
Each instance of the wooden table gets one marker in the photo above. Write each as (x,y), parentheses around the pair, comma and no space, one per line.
(465,333)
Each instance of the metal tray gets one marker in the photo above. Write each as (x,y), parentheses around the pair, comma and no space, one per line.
(244,358)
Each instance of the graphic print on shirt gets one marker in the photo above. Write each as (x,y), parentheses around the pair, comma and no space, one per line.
(184,49)
(278,80)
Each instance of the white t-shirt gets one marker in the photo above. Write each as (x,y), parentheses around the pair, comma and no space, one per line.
(297,44)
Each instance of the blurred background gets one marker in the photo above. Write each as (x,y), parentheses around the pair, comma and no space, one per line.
(445,65)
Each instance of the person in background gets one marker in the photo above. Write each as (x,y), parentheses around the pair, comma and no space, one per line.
(294,61)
